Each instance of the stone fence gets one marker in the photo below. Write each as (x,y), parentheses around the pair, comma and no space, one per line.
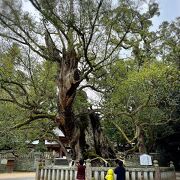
(98,173)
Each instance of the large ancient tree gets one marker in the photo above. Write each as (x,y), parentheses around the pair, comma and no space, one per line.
(69,29)
(81,38)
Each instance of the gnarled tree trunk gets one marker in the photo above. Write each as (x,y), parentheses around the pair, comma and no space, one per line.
(92,142)
(84,133)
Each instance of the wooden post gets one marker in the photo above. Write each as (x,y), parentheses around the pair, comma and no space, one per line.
(37,170)
(173,173)
(37,159)
(88,170)
(157,170)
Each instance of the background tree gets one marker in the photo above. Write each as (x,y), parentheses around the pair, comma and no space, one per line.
(168,41)
(134,103)
(147,48)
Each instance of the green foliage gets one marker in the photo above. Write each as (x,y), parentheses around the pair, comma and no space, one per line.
(169,42)
(11,139)
(19,139)
(136,98)
(8,61)
(26,87)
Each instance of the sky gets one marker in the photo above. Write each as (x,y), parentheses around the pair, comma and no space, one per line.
(169,10)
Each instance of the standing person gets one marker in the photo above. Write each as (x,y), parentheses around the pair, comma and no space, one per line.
(81,170)
(120,170)
(110,175)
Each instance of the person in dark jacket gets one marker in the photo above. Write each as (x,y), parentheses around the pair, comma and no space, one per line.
(81,170)
(120,171)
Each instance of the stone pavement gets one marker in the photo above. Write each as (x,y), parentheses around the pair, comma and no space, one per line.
(18,176)
(177,175)
(31,176)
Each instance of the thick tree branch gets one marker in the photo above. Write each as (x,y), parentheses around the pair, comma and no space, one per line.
(34,117)
(9,82)
(92,87)
(122,132)
(141,106)
(94,23)
(27,36)
(13,99)
(26,43)
(13,38)
(86,45)
(133,149)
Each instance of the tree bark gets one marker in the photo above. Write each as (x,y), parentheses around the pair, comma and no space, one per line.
(84,134)
(92,142)
(141,142)
(68,81)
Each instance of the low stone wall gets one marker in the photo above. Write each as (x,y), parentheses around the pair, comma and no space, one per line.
(18,165)
(22,163)
(133,159)
(2,168)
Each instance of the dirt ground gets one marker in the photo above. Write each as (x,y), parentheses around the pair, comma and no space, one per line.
(17,175)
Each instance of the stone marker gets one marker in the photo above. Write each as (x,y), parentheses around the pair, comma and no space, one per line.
(4,161)
(145,160)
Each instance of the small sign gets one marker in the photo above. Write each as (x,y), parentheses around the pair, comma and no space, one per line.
(61,162)
(145,160)
(4,161)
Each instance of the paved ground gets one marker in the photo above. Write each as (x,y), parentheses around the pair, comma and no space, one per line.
(31,176)
(18,176)
(177,175)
